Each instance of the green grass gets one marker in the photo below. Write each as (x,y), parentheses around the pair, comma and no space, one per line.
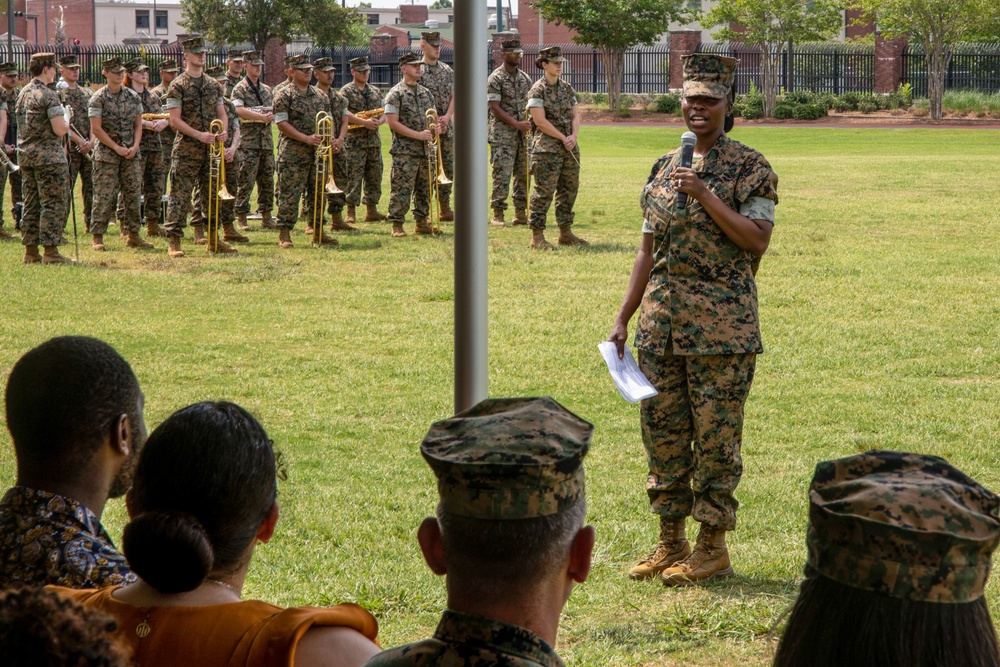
(880,312)
(978,102)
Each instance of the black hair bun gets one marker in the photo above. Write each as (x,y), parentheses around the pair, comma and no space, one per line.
(170,551)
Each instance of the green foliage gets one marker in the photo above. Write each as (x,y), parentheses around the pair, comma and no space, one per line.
(784,110)
(905,94)
(808,111)
(624,109)
(867,105)
(751,105)
(442,4)
(670,103)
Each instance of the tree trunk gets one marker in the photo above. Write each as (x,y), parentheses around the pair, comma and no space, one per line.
(938,60)
(614,71)
(770,60)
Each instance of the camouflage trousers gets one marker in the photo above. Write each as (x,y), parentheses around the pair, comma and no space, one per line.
(408,179)
(363,166)
(152,169)
(44,190)
(16,194)
(187,172)
(693,431)
(295,181)
(227,207)
(110,178)
(82,166)
(508,160)
(556,175)
(256,168)
(448,157)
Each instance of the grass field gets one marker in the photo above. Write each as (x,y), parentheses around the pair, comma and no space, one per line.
(881,318)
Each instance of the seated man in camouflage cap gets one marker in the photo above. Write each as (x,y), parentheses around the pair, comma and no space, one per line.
(509,534)
(900,547)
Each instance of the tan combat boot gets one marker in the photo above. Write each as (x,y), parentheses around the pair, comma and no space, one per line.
(373,214)
(672,547)
(266,221)
(97,244)
(174,248)
(447,215)
(324,239)
(567,237)
(520,217)
(241,222)
(397,230)
(338,224)
(709,560)
(423,226)
(51,256)
(199,235)
(498,220)
(31,255)
(284,237)
(153,229)
(538,241)
(135,241)
(352,214)
(230,234)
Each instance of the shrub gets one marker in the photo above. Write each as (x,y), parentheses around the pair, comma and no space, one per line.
(784,110)
(842,106)
(800,97)
(808,111)
(867,106)
(667,104)
(851,99)
(624,109)
(905,94)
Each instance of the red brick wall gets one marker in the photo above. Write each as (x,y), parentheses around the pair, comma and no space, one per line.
(888,63)
(682,43)
(79,17)
(413,13)
(401,36)
(853,31)
(274,62)
(527,25)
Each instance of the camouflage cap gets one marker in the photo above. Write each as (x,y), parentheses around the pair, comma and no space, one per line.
(235,54)
(69,61)
(903,525)
(360,64)
(216,72)
(708,75)
(8,68)
(553,54)
(44,59)
(410,58)
(113,65)
(509,458)
(291,60)
(511,46)
(324,65)
(194,44)
(135,65)
(432,38)
(301,62)
(168,65)
(252,58)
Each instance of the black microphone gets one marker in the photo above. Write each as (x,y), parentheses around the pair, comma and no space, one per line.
(688,141)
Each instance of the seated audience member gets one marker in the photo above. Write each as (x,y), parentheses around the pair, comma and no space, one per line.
(899,553)
(509,536)
(39,629)
(74,411)
(204,495)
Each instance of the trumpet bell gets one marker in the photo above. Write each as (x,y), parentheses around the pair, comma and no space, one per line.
(224,194)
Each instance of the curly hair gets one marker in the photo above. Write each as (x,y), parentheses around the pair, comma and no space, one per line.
(40,629)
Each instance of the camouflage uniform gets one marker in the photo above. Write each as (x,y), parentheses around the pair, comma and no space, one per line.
(80,164)
(227,213)
(335,203)
(111,171)
(556,170)
(698,334)
(508,145)
(151,165)
(296,160)
(199,100)
(362,149)
(167,136)
(439,79)
(16,194)
(44,169)
(231,83)
(257,147)
(408,178)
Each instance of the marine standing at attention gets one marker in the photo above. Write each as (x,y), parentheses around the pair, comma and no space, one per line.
(439,78)
(363,146)
(507,95)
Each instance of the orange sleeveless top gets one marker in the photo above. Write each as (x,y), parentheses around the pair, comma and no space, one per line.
(250,633)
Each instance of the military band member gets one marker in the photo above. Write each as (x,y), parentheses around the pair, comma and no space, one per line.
(257,144)
(232,156)
(234,70)
(77,98)
(405,106)
(507,95)
(168,72)
(295,109)
(323,70)
(116,121)
(150,150)
(289,72)
(43,162)
(8,77)
(440,80)
(363,146)
(4,235)
(193,101)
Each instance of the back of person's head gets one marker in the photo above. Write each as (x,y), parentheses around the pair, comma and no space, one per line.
(511,485)
(63,398)
(900,547)
(205,482)
(40,629)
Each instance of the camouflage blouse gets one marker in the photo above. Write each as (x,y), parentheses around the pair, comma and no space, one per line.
(558,99)
(299,108)
(168,134)
(199,99)
(117,112)
(358,100)
(37,143)
(254,136)
(440,80)
(411,103)
(511,91)
(150,104)
(701,297)
(78,99)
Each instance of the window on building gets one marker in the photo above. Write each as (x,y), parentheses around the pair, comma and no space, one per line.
(451,18)
(373,19)
(141,19)
(162,23)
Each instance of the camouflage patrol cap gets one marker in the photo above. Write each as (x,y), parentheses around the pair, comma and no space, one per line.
(43,59)
(216,72)
(902,525)
(553,54)
(509,458)
(135,65)
(410,58)
(235,55)
(301,62)
(194,44)
(113,65)
(291,60)
(252,58)
(323,65)
(708,75)
(511,46)
(360,64)
(8,68)
(432,38)
(69,61)
(168,65)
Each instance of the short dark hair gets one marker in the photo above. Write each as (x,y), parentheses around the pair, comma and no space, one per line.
(205,482)
(36,68)
(833,624)
(519,553)
(40,629)
(62,398)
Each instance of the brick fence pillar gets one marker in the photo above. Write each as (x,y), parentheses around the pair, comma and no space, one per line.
(381,47)
(274,62)
(682,43)
(888,63)
(495,54)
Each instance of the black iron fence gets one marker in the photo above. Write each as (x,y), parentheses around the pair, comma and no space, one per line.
(822,68)
(972,67)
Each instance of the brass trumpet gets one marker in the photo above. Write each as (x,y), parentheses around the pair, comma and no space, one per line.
(324,182)
(435,171)
(217,192)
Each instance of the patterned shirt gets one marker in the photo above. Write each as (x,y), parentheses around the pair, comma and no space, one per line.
(117,112)
(50,539)
(558,100)
(150,104)
(440,80)
(472,641)
(254,136)
(411,103)
(168,134)
(701,297)
(234,124)
(231,83)
(199,99)
(37,143)
(358,100)
(511,91)
(11,97)
(78,99)
(299,108)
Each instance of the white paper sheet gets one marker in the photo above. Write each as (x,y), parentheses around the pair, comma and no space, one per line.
(631,383)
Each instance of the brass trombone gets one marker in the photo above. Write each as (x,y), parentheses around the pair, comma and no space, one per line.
(217,192)
(324,182)
(435,171)
(7,162)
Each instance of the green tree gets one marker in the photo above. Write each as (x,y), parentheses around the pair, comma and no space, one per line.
(442,4)
(257,21)
(772,24)
(936,25)
(614,26)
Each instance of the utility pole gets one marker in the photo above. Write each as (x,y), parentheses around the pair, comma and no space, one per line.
(10,30)
(343,53)
(499,15)
(45,7)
